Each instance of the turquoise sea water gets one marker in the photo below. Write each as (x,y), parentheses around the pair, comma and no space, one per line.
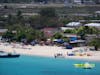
(33,65)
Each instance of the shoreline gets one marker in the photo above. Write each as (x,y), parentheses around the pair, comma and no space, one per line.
(72,58)
(68,57)
(48,51)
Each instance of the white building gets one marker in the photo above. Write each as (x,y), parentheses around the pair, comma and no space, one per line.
(93,24)
(74,24)
(81,1)
(77,1)
(66,28)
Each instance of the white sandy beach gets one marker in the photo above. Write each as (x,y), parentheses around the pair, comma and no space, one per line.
(48,51)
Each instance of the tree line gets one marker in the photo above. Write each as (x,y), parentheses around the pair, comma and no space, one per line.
(20,27)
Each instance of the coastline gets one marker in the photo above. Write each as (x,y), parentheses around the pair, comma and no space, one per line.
(48,51)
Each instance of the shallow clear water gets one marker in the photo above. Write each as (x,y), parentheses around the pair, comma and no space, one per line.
(32,65)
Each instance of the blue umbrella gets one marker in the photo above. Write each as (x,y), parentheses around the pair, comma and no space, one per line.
(60,41)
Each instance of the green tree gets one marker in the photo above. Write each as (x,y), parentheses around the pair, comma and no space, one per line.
(83,30)
(19,17)
(35,21)
(11,19)
(58,35)
(96,43)
(70,31)
(64,21)
(48,17)
(48,12)
(9,36)
(26,32)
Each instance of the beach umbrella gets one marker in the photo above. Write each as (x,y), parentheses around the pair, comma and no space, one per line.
(33,43)
(55,40)
(60,41)
(65,44)
(73,38)
(69,47)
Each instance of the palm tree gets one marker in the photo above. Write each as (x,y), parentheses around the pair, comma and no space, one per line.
(96,43)
(84,30)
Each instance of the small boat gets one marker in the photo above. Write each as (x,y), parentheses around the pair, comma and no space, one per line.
(59,55)
(85,65)
(8,55)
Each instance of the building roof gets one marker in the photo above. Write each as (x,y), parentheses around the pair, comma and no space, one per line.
(65,28)
(29,14)
(74,24)
(3,30)
(48,31)
(70,35)
(81,14)
(97,12)
(77,41)
(93,24)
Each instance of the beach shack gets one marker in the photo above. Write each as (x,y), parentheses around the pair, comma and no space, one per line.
(74,40)
(58,41)
(78,43)
(49,31)
(2,31)
(66,28)
(97,13)
(93,25)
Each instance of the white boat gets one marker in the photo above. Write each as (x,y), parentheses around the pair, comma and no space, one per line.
(85,65)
